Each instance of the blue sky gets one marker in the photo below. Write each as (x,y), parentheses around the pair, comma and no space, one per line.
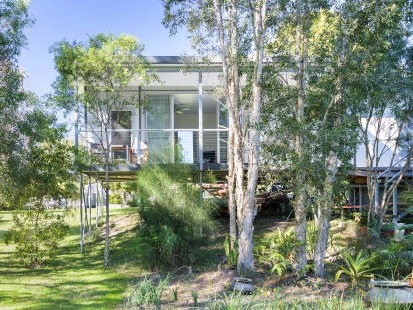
(71,20)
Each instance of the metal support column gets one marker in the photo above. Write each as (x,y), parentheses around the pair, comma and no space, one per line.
(376,196)
(80,179)
(89,202)
(97,203)
(200,124)
(395,206)
(82,231)
(201,137)
(139,128)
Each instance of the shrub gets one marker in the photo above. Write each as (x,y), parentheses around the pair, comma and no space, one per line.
(356,268)
(176,221)
(147,293)
(393,258)
(36,233)
(115,198)
(277,251)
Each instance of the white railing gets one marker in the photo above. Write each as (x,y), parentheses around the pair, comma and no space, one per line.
(138,146)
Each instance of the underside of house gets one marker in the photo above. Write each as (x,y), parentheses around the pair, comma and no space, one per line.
(400,202)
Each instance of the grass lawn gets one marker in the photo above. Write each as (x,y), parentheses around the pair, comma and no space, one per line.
(79,281)
(73,280)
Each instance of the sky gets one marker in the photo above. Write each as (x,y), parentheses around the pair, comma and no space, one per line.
(74,20)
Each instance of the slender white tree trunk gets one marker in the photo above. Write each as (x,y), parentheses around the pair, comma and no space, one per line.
(232,207)
(242,140)
(323,225)
(300,192)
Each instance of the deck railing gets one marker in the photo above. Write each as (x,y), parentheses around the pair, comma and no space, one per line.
(138,146)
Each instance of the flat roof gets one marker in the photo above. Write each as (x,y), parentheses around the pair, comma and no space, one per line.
(173,63)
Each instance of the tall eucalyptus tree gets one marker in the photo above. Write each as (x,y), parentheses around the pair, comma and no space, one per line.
(234,31)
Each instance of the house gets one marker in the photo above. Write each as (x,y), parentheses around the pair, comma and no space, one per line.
(381,163)
(182,120)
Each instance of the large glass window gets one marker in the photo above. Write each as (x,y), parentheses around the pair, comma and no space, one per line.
(158,118)
(122,125)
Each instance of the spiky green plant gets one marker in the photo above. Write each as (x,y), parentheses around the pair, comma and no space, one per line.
(233,301)
(356,268)
(277,251)
(147,293)
(231,254)
(194,295)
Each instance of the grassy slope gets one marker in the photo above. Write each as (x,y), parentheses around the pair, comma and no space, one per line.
(79,281)
(74,280)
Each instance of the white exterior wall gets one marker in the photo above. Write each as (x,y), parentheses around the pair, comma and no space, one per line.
(180,79)
(386,132)
(182,84)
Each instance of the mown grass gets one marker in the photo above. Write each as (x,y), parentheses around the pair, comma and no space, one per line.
(73,280)
(79,281)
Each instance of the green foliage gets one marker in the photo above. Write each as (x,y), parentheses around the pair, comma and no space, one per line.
(311,238)
(14,18)
(233,301)
(176,221)
(37,233)
(101,63)
(277,251)
(356,268)
(231,254)
(361,217)
(393,259)
(194,295)
(43,166)
(33,178)
(115,198)
(175,293)
(147,293)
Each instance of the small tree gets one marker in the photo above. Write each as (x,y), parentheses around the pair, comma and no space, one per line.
(102,69)
(37,233)
(35,179)
(383,90)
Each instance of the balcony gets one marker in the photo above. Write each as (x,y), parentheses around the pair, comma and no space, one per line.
(142,146)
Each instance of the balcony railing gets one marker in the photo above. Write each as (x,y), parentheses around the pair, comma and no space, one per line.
(161,145)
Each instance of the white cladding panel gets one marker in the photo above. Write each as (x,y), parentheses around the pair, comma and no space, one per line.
(385,129)
(184,79)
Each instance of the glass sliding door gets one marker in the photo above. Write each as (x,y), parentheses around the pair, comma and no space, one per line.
(223,135)
(158,123)
(121,126)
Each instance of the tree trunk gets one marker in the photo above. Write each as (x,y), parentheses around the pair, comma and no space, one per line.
(300,225)
(231,85)
(323,225)
(232,208)
(240,138)
(301,196)
(390,191)
(246,216)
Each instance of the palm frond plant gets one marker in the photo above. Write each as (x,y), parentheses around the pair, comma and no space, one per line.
(277,251)
(356,268)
